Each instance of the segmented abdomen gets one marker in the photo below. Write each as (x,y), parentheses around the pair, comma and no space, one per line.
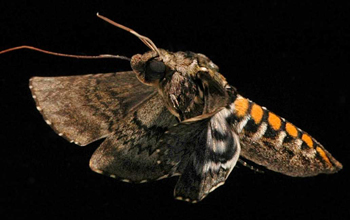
(277,144)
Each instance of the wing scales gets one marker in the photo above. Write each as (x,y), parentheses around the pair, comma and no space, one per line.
(86,108)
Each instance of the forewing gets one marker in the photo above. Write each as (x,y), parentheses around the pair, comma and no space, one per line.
(85,108)
(134,153)
(202,150)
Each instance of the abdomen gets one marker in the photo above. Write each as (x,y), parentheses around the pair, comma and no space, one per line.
(271,141)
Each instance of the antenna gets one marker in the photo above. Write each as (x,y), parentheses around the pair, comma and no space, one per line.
(65,55)
(148,42)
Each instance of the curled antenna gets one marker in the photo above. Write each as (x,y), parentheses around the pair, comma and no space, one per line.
(148,42)
(66,55)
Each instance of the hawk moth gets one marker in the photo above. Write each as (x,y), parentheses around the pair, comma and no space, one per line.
(174,114)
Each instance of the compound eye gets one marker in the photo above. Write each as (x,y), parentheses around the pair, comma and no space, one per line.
(155,70)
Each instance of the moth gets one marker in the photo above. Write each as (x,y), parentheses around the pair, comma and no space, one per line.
(174,114)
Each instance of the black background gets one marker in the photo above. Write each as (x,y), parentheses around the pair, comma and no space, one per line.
(292,58)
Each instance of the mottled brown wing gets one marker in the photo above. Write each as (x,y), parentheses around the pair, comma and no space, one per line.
(86,108)
(148,146)
(133,153)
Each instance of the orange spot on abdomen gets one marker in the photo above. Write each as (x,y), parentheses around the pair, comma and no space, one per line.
(291,130)
(308,140)
(241,106)
(256,113)
(322,153)
(274,121)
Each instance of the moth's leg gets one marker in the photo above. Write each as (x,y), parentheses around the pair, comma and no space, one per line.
(251,167)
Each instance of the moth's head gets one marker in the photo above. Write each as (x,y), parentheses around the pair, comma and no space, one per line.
(189,83)
(150,67)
